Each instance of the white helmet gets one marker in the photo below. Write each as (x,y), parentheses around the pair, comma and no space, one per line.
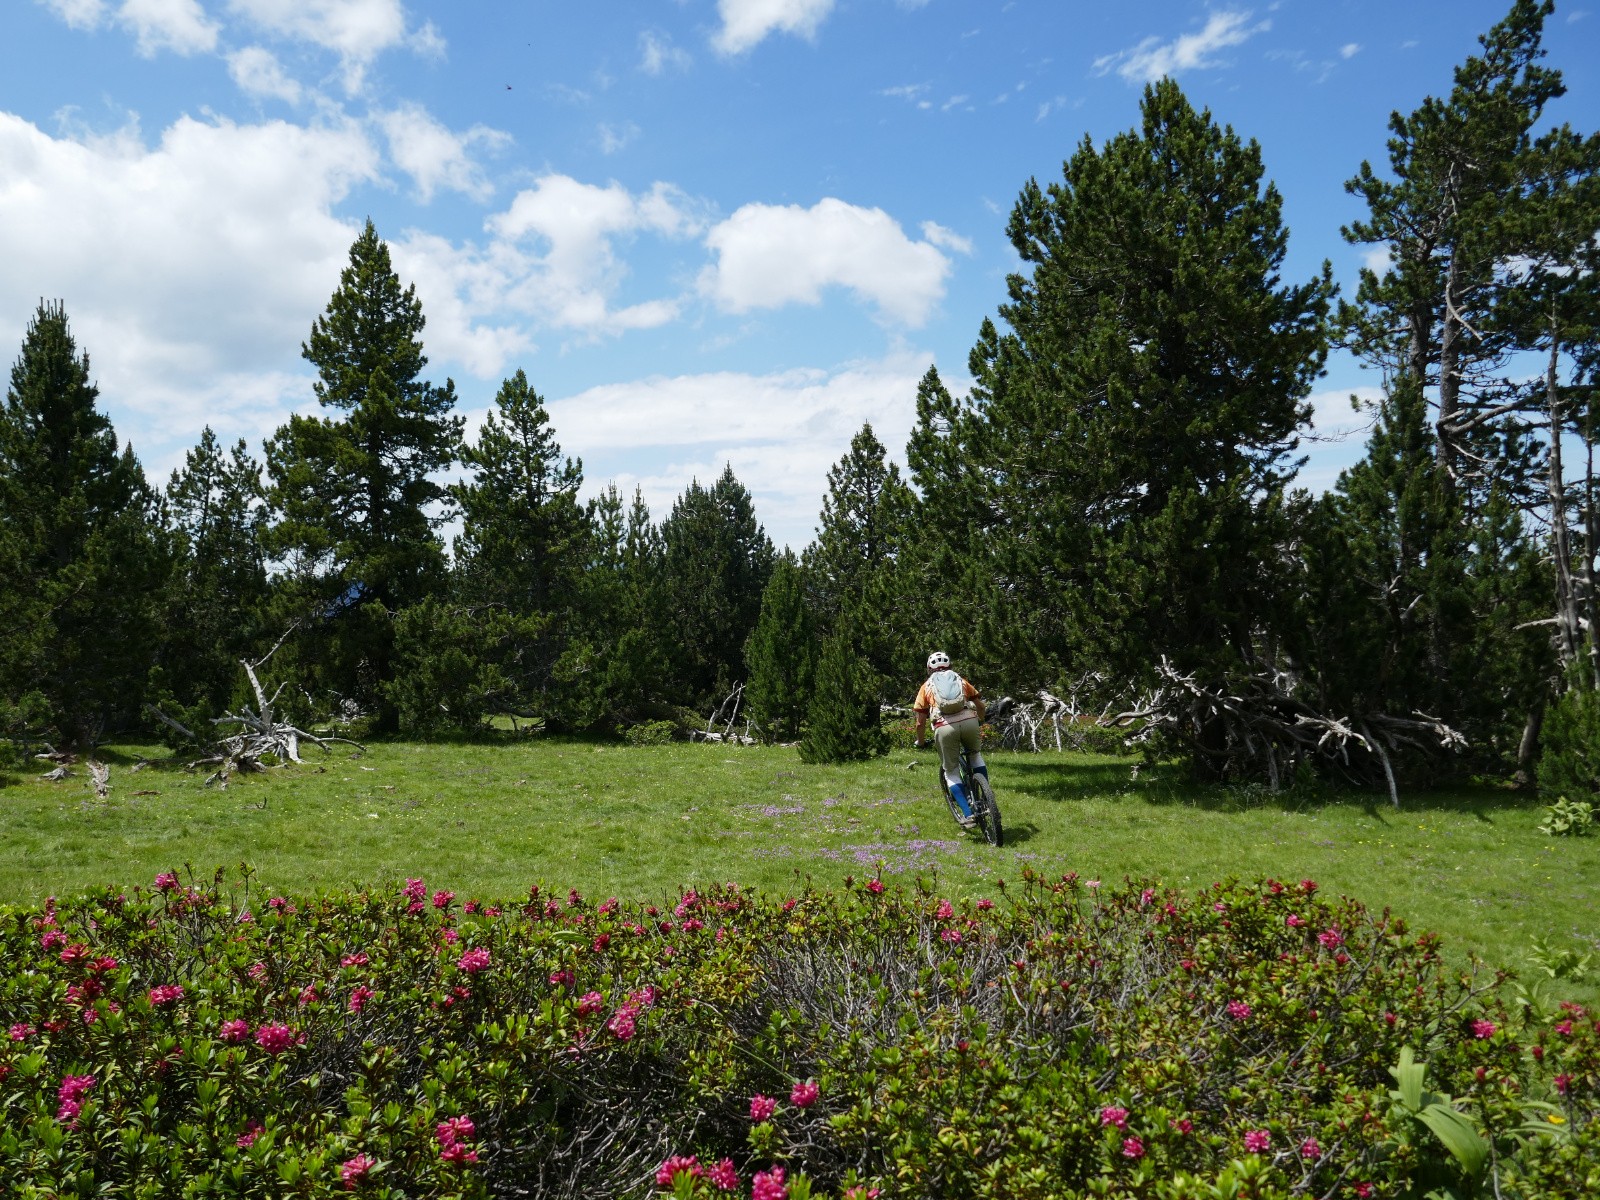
(938,661)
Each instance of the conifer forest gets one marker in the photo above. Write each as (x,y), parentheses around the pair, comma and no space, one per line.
(1107,528)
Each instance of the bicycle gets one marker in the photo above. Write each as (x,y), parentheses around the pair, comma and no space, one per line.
(985,810)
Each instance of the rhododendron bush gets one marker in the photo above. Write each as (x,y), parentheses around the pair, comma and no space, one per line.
(1051,1039)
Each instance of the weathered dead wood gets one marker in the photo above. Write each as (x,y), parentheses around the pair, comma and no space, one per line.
(57,775)
(726,715)
(100,778)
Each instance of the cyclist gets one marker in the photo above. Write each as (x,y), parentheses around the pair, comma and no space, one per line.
(957,720)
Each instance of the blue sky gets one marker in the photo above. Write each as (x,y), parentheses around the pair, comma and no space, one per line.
(709,230)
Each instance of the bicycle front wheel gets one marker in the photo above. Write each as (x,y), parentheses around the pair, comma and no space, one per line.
(988,810)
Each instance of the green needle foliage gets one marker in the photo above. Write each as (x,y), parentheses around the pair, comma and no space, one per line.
(356,492)
(781,654)
(843,722)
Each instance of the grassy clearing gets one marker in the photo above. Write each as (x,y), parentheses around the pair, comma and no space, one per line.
(488,819)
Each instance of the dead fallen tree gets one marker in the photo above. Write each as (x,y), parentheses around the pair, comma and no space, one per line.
(259,735)
(720,724)
(1064,721)
(1258,729)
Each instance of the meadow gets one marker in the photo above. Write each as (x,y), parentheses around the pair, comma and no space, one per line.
(490,818)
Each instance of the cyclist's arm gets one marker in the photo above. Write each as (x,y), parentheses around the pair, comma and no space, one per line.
(921,727)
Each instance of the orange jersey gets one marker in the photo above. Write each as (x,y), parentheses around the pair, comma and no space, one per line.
(927,704)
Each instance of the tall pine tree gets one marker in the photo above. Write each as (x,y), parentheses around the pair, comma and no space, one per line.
(356,493)
(781,655)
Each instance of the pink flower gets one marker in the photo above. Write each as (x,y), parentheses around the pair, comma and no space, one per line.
(308,994)
(574,898)
(1094,883)
(258,971)
(1112,1115)
(953,936)
(1257,1140)
(166,882)
(1483,1030)
(451,937)
(644,997)
(76,952)
(676,1164)
(234,1031)
(1219,906)
(861,1193)
(1564,1028)
(74,1087)
(166,994)
(591,1003)
(804,1095)
(1331,938)
(875,886)
(1182,1125)
(561,978)
(1239,1010)
(984,905)
(277,904)
(355,1171)
(359,998)
(601,942)
(442,898)
(102,965)
(20,1032)
(353,960)
(1293,922)
(1132,1147)
(1562,1082)
(245,1140)
(622,1024)
(1364,1190)
(1308,886)
(274,1039)
(474,960)
(52,939)
(1146,896)
(788,906)
(723,1176)
(1310,1149)
(415,889)
(769,1185)
(762,1108)
(944,912)
(458,1154)
(453,1136)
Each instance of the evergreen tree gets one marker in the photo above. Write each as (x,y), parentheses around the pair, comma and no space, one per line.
(358,505)
(215,511)
(715,562)
(80,545)
(856,565)
(1129,437)
(842,722)
(781,655)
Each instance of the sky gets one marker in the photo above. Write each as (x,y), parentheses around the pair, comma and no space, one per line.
(710,231)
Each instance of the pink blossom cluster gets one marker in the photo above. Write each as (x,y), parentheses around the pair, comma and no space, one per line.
(945,910)
(166,994)
(355,1171)
(442,898)
(1483,1030)
(1114,1115)
(669,1169)
(52,939)
(769,1185)
(590,1003)
(359,998)
(723,1176)
(804,1094)
(252,1131)
(234,1031)
(354,960)
(1132,1147)
(1257,1140)
(1239,1010)
(474,960)
(453,1136)
(762,1108)
(71,1093)
(861,1193)
(875,886)
(166,882)
(275,1039)
(21,1032)
(1331,938)
(1310,1149)
(623,1023)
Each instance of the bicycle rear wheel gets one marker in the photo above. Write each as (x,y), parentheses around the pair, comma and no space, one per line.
(987,809)
(955,810)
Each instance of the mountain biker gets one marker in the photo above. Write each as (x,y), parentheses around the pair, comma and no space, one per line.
(952,730)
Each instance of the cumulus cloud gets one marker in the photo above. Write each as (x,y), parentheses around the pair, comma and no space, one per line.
(780,431)
(1378,259)
(616,137)
(356,30)
(189,318)
(746,23)
(177,25)
(946,239)
(1338,414)
(769,256)
(1349,49)
(657,54)
(1152,59)
(434,156)
(257,72)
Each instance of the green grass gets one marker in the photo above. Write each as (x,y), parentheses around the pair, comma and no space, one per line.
(489,819)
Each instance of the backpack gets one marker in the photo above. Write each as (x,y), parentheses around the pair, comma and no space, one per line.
(948,693)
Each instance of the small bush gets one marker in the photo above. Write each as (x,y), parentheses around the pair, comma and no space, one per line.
(1567,818)
(650,733)
(1569,758)
(1060,1039)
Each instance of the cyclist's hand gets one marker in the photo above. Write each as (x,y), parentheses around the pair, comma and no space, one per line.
(921,743)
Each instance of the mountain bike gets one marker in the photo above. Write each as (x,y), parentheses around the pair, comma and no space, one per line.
(981,796)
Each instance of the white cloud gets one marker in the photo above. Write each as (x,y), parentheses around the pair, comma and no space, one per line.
(781,432)
(357,30)
(191,270)
(769,255)
(1349,49)
(617,137)
(177,25)
(258,73)
(657,54)
(947,239)
(78,14)
(1153,59)
(572,283)
(954,102)
(1378,260)
(435,157)
(745,23)
(1334,418)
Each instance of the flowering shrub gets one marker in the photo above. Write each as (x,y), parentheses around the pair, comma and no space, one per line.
(1053,1039)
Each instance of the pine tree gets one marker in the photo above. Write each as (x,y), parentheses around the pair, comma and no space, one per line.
(715,562)
(216,515)
(855,567)
(357,500)
(781,655)
(85,562)
(842,722)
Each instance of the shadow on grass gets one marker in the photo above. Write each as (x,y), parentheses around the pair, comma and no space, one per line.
(1166,784)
